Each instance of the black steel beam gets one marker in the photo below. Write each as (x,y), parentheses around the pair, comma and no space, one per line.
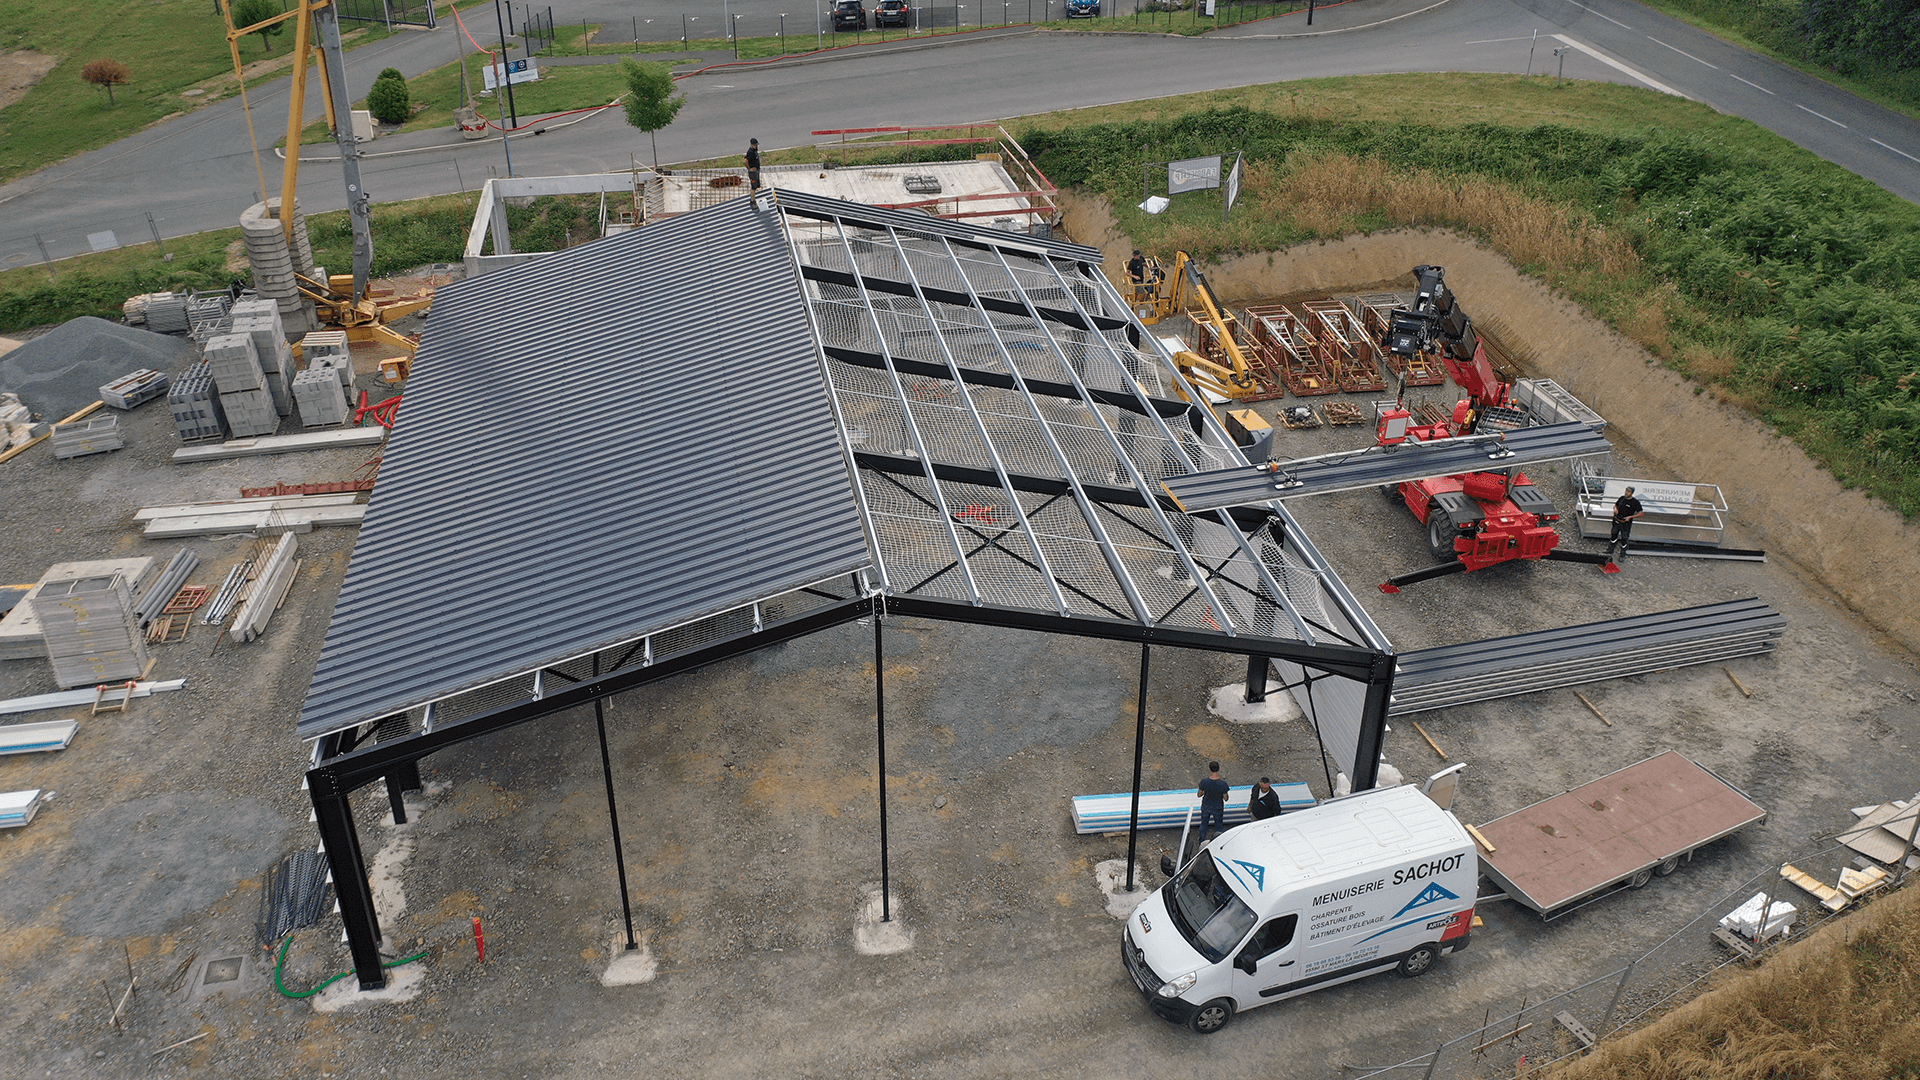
(1092,324)
(355,768)
(968,474)
(1361,665)
(1168,408)
(1373,466)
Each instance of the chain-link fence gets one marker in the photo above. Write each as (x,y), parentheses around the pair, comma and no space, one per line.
(389,12)
(1525,1035)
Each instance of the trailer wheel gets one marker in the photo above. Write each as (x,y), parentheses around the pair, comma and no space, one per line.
(1390,492)
(1668,867)
(1440,534)
(1419,961)
(1212,1016)
(1639,880)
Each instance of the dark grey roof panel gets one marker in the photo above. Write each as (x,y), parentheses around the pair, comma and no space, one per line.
(1251,485)
(564,474)
(810,205)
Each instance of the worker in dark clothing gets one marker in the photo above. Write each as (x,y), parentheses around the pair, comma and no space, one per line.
(1137,271)
(1213,802)
(753,164)
(1263,802)
(1625,509)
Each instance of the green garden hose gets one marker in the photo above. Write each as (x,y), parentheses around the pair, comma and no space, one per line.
(282,961)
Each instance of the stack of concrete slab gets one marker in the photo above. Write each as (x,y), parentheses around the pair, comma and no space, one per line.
(322,402)
(275,261)
(20,635)
(92,635)
(195,404)
(166,313)
(244,397)
(94,435)
(271,580)
(138,388)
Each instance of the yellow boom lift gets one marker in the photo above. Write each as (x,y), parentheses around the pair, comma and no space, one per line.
(1160,295)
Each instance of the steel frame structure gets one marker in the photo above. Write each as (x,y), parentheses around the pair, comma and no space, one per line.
(1007,427)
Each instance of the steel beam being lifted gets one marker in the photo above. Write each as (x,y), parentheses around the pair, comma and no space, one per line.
(1372,466)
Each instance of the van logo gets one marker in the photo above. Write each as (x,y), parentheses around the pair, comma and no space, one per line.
(1256,871)
(1432,894)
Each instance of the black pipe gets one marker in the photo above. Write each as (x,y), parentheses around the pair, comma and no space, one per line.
(613,812)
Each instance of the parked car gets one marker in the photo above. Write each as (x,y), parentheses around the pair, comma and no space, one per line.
(1083,9)
(849,15)
(893,13)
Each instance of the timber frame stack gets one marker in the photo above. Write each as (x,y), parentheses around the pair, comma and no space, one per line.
(1343,346)
(1285,347)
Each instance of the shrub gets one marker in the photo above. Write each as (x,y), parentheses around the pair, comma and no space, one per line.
(388,100)
(106,73)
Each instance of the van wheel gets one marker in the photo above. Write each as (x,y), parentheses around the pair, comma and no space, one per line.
(1417,962)
(1639,880)
(1440,534)
(1668,867)
(1212,1016)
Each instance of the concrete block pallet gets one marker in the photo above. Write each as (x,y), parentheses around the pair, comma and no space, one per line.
(94,435)
(91,632)
(195,404)
(235,363)
(250,413)
(322,400)
(279,388)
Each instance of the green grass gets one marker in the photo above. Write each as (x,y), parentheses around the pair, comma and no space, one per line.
(171,46)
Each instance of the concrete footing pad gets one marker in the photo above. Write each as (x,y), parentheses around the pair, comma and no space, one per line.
(1111,876)
(873,937)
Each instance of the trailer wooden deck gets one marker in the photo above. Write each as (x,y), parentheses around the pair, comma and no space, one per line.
(1618,830)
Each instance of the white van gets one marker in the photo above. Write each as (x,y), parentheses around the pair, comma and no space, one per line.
(1276,908)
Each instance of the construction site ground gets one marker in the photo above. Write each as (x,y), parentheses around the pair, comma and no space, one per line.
(747,800)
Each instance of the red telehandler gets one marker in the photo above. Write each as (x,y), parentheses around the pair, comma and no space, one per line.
(1476,519)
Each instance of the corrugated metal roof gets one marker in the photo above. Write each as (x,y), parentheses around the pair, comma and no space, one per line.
(598,444)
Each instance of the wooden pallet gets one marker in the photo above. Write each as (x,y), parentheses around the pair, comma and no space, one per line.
(1344,413)
(1310,420)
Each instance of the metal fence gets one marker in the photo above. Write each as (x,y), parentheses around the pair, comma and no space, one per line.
(1533,1034)
(390,12)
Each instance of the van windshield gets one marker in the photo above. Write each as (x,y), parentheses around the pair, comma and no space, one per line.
(1210,916)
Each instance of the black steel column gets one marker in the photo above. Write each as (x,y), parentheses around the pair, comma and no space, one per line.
(404,777)
(333,813)
(1373,725)
(613,812)
(880,740)
(1256,680)
(1139,755)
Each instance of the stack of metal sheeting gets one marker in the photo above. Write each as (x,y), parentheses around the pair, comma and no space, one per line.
(18,807)
(167,313)
(94,435)
(91,633)
(322,401)
(195,404)
(1637,645)
(137,388)
(168,584)
(20,634)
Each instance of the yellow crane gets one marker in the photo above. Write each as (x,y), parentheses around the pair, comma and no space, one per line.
(1158,295)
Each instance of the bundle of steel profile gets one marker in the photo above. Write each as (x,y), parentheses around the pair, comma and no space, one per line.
(228,595)
(1569,656)
(161,591)
(293,896)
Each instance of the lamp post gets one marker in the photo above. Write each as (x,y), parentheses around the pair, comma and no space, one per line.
(783,33)
(819,27)
(500,76)
(734,28)
(506,81)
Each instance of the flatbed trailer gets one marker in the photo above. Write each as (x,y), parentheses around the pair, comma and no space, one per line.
(1617,832)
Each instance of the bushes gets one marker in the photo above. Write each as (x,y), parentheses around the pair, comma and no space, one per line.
(388,99)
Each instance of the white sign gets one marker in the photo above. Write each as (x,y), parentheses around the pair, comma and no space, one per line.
(1660,498)
(518,71)
(1193,174)
(1233,183)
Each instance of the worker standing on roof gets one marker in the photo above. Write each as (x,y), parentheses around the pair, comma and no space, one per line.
(753,164)
(1625,509)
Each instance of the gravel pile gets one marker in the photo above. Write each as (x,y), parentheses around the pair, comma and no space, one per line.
(62,371)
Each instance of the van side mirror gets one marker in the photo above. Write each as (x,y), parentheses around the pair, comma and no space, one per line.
(1167,867)
(1245,962)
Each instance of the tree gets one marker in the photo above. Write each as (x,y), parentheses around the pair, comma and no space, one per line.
(107,73)
(389,100)
(248,12)
(651,102)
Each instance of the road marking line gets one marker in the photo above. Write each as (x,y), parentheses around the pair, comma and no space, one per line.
(1755,85)
(1610,19)
(1902,153)
(1828,119)
(1617,65)
(1495,41)
(1682,52)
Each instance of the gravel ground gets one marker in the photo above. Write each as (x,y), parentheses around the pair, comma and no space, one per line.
(747,801)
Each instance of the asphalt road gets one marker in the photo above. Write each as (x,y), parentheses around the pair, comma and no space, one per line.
(197,173)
